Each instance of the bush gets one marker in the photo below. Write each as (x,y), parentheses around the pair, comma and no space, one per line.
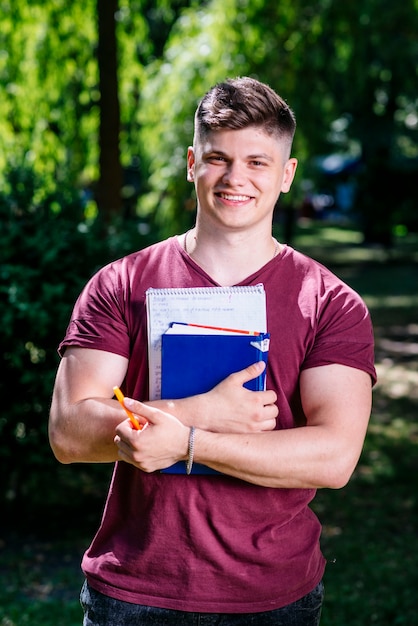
(47,254)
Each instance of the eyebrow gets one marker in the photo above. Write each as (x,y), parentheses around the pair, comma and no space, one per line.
(250,157)
(263,155)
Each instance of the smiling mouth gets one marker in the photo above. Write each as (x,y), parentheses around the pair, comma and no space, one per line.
(233,198)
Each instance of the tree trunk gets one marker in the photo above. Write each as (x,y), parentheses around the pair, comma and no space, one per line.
(110,178)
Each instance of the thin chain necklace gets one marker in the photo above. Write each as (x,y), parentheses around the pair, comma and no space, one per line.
(276,245)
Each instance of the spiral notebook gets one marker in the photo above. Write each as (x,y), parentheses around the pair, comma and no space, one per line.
(241,308)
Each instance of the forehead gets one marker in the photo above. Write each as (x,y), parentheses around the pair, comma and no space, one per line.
(251,140)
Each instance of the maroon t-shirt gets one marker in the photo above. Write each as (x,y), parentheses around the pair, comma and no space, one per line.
(215,543)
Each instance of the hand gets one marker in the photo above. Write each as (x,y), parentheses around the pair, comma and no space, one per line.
(161,444)
(232,408)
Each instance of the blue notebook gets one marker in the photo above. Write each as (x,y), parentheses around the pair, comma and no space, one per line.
(194,363)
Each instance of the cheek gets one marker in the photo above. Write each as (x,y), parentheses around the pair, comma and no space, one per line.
(270,184)
(205,177)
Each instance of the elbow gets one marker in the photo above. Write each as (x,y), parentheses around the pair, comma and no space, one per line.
(338,474)
(59,450)
(336,463)
(61,456)
(58,443)
(337,482)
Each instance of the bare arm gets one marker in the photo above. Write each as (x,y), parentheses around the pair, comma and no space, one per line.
(84,417)
(337,403)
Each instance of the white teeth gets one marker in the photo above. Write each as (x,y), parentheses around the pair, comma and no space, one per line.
(234,198)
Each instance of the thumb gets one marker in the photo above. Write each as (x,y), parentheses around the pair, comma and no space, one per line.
(250,372)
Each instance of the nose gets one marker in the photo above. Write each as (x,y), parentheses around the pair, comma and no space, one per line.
(234,174)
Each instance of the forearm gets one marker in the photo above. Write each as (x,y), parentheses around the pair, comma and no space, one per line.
(336,401)
(303,458)
(84,432)
(193,411)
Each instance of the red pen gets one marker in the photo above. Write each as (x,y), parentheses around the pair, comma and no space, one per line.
(131,416)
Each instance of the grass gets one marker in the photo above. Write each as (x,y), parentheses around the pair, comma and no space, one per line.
(370,528)
(40,581)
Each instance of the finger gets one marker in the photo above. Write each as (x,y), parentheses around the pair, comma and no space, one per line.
(125,430)
(267,397)
(147,412)
(123,447)
(268,425)
(266,418)
(249,373)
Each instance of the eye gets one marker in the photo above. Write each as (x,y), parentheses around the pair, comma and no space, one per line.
(257,163)
(215,158)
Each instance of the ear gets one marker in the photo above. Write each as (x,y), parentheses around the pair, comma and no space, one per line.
(190,164)
(288,174)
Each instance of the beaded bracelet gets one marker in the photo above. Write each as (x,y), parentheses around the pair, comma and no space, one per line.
(189,463)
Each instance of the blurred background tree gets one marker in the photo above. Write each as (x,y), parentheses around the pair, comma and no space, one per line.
(68,165)
(348,70)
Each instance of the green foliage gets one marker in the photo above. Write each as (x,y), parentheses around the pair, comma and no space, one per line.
(50,99)
(348,70)
(48,85)
(47,252)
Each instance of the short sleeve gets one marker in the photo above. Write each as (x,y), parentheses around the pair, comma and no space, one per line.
(344,332)
(98,319)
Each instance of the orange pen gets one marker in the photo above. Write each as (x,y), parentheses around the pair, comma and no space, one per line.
(131,416)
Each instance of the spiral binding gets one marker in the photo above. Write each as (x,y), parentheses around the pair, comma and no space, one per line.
(203,290)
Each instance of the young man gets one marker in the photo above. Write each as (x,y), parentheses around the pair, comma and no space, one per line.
(240,547)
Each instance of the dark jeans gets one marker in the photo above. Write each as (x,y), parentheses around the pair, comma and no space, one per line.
(100,610)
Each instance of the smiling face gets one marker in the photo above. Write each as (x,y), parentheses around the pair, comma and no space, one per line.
(238,176)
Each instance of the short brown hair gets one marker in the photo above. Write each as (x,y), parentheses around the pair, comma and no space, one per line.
(241,102)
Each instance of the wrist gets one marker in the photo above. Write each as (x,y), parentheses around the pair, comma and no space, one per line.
(189,411)
(192,411)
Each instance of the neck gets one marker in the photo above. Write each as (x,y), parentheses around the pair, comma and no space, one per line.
(229,260)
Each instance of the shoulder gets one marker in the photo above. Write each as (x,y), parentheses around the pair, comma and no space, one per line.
(341,330)
(307,266)
(315,276)
(316,297)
